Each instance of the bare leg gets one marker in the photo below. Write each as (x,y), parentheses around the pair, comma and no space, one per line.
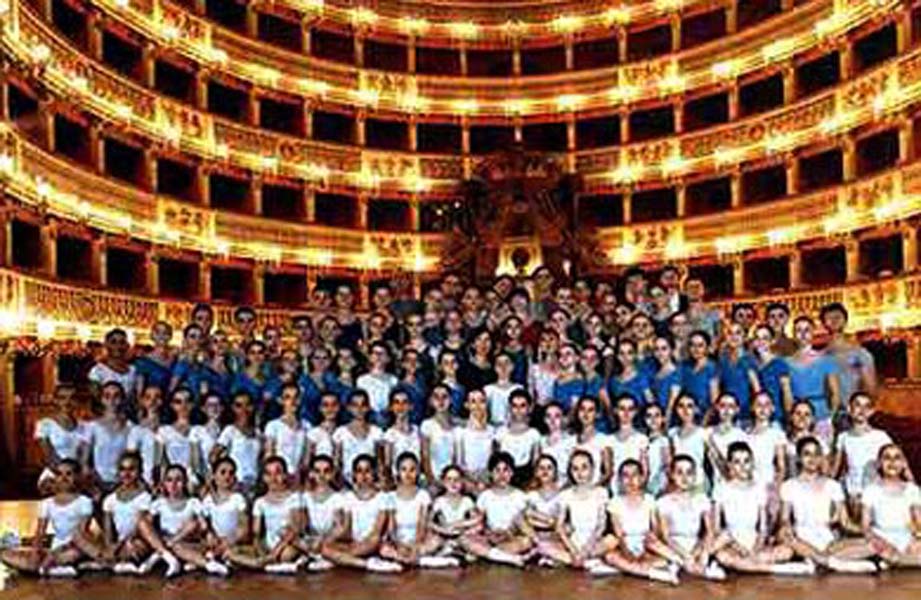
(27,560)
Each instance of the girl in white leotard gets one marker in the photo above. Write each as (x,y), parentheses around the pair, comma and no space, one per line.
(591,440)
(813,509)
(891,511)
(69,514)
(453,514)
(107,438)
(276,524)
(123,511)
(742,525)
(60,436)
(544,500)
(224,512)
(684,523)
(580,525)
(411,541)
(632,515)
(176,441)
(319,505)
(361,522)
(143,437)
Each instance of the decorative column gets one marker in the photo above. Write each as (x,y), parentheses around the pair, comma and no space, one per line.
(849,158)
(203,185)
(465,146)
(906,140)
(738,275)
(252,21)
(624,118)
(681,200)
(733,93)
(360,127)
(204,279)
(201,89)
(570,143)
(411,55)
(97,148)
(735,188)
(910,247)
(789,84)
(679,115)
(852,259)
(569,49)
(463,59)
(310,206)
(622,48)
(305,34)
(732,17)
(846,60)
(8,408)
(307,116)
(255,195)
(413,132)
(359,42)
(46,119)
(99,261)
(259,270)
(414,213)
(902,31)
(148,65)
(913,352)
(150,170)
(628,207)
(675,23)
(792,169)
(94,35)
(252,108)
(6,239)
(796,268)
(49,237)
(152,268)
(362,211)
(516,57)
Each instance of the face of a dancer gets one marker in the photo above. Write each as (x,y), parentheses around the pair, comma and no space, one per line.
(290,398)
(545,471)
(213,408)
(225,476)
(476,404)
(631,479)
(363,475)
(502,475)
(683,475)
(128,472)
(453,481)
(802,330)
(274,476)
(892,463)
(741,466)
(329,407)
(728,408)
(161,334)
(520,409)
(655,420)
(697,347)
(408,472)
(322,472)
(626,411)
(861,409)
(662,351)
(553,417)
(834,321)
(65,478)
(586,413)
(801,418)
(762,407)
(686,409)
(811,458)
(174,483)
(181,404)
(568,357)
(777,318)
(64,400)
(581,469)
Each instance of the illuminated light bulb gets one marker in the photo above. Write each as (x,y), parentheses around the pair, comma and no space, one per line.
(778,49)
(221,247)
(416,183)
(7,164)
(218,56)
(45,328)
(43,189)
(617,15)
(626,173)
(778,142)
(9,321)
(675,248)
(725,69)
(516,106)
(673,164)
(566,23)
(673,82)
(317,171)
(314,5)
(122,3)
(727,156)
(123,111)
(414,25)
(669,5)
(172,133)
(569,101)
(170,33)
(269,163)
(368,96)
(40,53)
(420,261)
(79,82)
(513,28)
(314,86)
(413,102)
(623,93)
(832,24)
(84,332)
(364,16)
(468,105)
(779,236)
(625,255)
(221,150)
(464,29)
(267,75)
(368,179)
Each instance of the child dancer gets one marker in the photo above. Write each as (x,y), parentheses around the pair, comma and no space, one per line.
(597,444)
(143,438)
(581,520)
(722,434)
(241,442)
(320,438)
(412,543)
(60,436)
(507,537)
(632,516)
(497,394)
(475,443)
(276,524)
(402,437)
(69,514)
(204,436)
(453,514)
(123,509)
(684,522)
(892,511)
(518,438)
(856,450)
(768,445)
(358,437)
(174,526)
(176,441)
(803,425)
(688,437)
(107,437)
(286,436)
(740,516)
(812,508)
(224,512)
(361,522)
(544,499)
(438,436)
(320,503)
(627,442)
(659,451)
(557,442)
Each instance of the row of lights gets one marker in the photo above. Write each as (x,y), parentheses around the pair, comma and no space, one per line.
(673,81)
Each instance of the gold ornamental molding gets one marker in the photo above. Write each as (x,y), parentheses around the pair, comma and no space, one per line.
(812,24)
(876,95)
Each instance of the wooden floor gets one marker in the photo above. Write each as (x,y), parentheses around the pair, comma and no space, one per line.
(473,583)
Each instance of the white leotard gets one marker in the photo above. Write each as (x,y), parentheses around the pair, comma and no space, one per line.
(764,446)
(177,447)
(861,451)
(66,442)
(174,518)
(406,515)
(277,515)
(364,513)
(659,448)
(321,440)
(125,513)
(321,514)
(891,511)
(560,451)
(441,444)
(354,446)
(634,518)
(741,507)
(684,514)
(474,448)
(201,436)
(633,446)
(502,510)
(401,442)
(290,443)
(244,450)
(144,441)
(549,507)
(65,519)
(447,514)
(585,513)
(596,446)
(224,516)
(812,503)
(520,445)
(107,446)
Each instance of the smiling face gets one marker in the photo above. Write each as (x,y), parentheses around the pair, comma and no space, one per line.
(860,408)
(242,408)
(174,483)
(64,399)
(626,354)
(625,411)
(654,418)
(255,354)
(116,345)
(290,399)
(453,481)
(545,471)
(400,404)
(569,357)
(181,404)
(476,405)
(213,408)
(161,333)
(892,462)
(246,323)
(802,417)
(408,472)
(111,398)
(274,476)
(359,406)
(810,458)
(204,318)
(66,476)
(581,469)
(129,471)
(698,347)
(727,407)
(777,318)
(520,409)
(802,331)
(662,351)
(763,340)
(329,406)
(440,400)
(762,407)
(502,474)
(322,472)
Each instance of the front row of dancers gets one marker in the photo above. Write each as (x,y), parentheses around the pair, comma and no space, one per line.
(744,528)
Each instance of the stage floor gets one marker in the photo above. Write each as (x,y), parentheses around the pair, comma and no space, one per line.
(474,583)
